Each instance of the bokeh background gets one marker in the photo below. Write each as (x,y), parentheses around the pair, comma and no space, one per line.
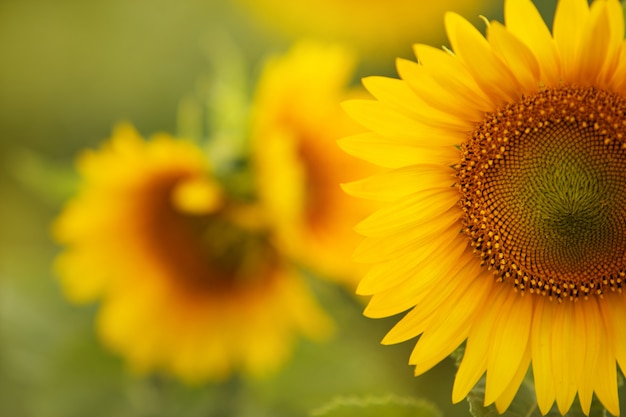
(70,70)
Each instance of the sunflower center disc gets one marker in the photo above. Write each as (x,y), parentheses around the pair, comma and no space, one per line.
(543,184)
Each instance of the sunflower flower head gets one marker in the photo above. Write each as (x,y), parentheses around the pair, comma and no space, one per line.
(296,122)
(187,279)
(504,224)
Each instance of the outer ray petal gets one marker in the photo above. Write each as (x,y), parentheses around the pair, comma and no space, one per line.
(516,54)
(541,351)
(488,70)
(525,22)
(605,373)
(605,380)
(397,270)
(424,276)
(442,97)
(405,181)
(507,396)
(617,80)
(450,73)
(412,211)
(384,119)
(596,44)
(570,20)
(616,24)
(428,302)
(474,362)
(508,345)
(614,314)
(377,249)
(592,326)
(398,95)
(373,148)
(564,353)
(449,327)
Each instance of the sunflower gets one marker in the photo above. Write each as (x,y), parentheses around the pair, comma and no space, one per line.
(187,279)
(296,122)
(375,27)
(504,226)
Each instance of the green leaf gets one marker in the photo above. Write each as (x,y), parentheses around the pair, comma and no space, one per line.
(388,406)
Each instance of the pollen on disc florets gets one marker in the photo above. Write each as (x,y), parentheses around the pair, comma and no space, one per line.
(543,192)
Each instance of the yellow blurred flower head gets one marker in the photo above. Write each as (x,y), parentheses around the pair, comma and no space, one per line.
(376,28)
(298,165)
(187,278)
(504,221)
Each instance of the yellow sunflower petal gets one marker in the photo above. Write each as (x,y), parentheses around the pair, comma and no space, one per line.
(398,95)
(541,350)
(70,267)
(596,44)
(590,332)
(407,293)
(564,340)
(404,129)
(380,278)
(525,22)
(570,20)
(474,362)
(449,73)
(616,24)
(488,70)
(442,97)
(506,398)
(605,379)
(377,249)
(448,327)
(605,372)
(126,141)
(614,313)
(430,301)
(509,339)
(405,180)
(517,56)
(412,211)
(617,81)
(389,154)
(599,362)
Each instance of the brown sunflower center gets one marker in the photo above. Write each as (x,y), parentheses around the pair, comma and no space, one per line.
(219,251)
(543,184)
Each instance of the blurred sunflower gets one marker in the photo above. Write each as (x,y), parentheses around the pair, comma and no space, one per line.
(296,122)
(374,27)
(505,225)
(187,279)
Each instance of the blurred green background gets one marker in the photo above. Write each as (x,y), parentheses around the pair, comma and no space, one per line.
(70,70)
